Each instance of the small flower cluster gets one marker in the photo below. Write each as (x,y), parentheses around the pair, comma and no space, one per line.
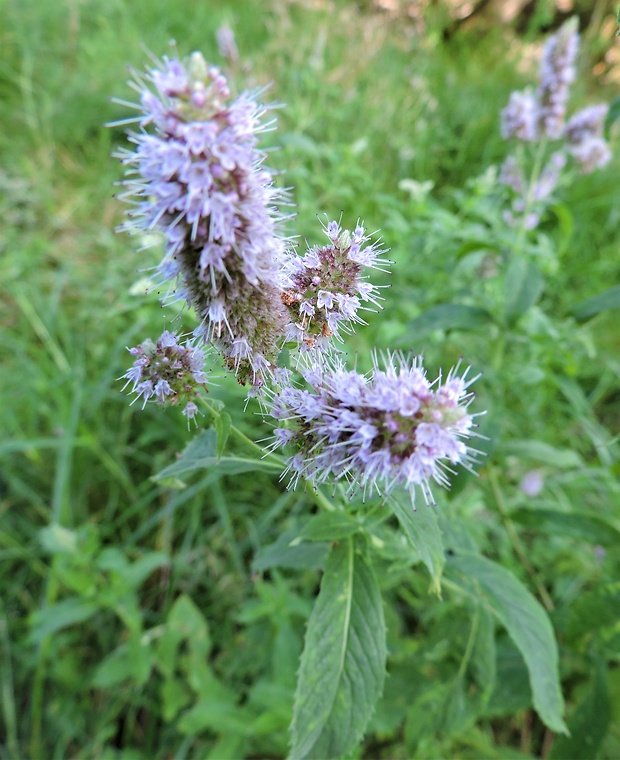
(557,72)
(199,178)
(530,201)
(324,289)
(167,372)
(532,118)
(519,117)
(584,138)
(391,427)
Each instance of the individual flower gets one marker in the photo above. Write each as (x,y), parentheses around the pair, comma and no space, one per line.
(227,45)
(388,428)
(557,71)
(511,175)
(197,176)
(167,372)
(518,119)
(584,137)
(325,289)
(532,483)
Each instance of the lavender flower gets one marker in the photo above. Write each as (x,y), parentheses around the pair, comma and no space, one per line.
(167,372)
(324,289)
(549,176)
(518,119)
(591,154)
(557,72)
(227,45)
(392,427)
(198,177)
(584,136)
(511,175)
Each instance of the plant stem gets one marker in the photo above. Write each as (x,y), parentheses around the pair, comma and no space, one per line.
(516,541)
(471,640)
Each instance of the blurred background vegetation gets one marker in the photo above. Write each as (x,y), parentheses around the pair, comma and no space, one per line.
(135,620)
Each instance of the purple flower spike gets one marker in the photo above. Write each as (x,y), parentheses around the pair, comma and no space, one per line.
(167,372)
(557,72)
(518,119)
(378,431)
(325,289)
(584,136)
(197,176)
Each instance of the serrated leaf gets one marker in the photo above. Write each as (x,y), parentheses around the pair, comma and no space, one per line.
(579,525)
(523,286)
(202,453)
(608,299)
(447,316)
(329,526)
(588,723)
(527,624)
(422,530)
(343,663)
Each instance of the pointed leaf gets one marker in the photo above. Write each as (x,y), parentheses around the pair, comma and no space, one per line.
(424,535)
(608,299)
(328,526)
(446,316)
(202,453)
(343,663)
(523,286)
(526,622)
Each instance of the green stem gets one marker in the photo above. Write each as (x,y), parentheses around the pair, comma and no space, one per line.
(470,643)
(529,198)
(319,497)
(516,541)
(241,436)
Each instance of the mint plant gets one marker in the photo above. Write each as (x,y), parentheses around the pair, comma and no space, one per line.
(371,440)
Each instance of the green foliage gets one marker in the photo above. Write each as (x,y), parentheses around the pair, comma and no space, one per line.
(163,594)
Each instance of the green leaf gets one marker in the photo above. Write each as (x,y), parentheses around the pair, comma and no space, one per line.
(538,451)
(447,316)
(60,615)
(343,663)
(526,622)
(175,696)
(579,525)
(484,655)
(608,299)
(113,670)
(223,424)
(285,553)
(594,611)
(140,570)
(185,622)
(588,723)
(523,286)
(512,690)
(424,534)
(202,453)
(328,526)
